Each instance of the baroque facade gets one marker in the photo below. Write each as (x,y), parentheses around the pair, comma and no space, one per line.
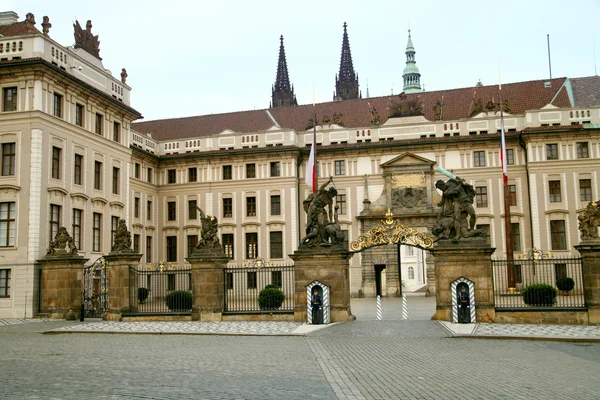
(72,157)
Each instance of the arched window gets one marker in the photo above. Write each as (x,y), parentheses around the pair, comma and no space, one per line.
(411,273)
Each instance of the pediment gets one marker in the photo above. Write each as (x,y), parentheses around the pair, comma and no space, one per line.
(549,106)
(226,132)
(406,159)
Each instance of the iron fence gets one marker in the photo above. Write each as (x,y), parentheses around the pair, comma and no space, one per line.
(160,289)
(95,289)
(243,286)
(564,275)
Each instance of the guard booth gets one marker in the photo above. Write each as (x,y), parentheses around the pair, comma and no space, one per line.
(469,287)
(322,313)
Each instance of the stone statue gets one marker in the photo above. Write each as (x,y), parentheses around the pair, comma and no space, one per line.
(334,230)
(319,209)
(122,242)
(62,244)
(85,39)
(30,22)
(209,238)
(589,221)
(46,25)
(124,75)
(456,218)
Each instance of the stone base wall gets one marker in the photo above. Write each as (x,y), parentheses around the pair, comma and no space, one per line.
(118,265)
(208,287)
(61,286)
(143,318)
(543,317)
(259,317)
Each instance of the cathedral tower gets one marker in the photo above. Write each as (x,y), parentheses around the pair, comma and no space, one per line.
(282,94)
(346,82)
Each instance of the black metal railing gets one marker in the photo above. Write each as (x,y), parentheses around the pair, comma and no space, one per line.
(564,275)
(160,289)
(243,286)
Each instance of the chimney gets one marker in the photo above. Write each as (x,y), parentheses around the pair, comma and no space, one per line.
(8,18)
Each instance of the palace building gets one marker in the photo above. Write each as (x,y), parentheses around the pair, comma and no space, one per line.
(73,156)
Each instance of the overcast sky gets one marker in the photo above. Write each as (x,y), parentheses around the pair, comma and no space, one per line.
(202,57)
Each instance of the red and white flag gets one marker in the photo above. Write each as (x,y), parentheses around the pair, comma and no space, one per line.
(502,140)
(311,166)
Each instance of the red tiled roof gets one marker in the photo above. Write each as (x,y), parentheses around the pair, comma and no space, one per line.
(575,127)
(520,96)
(586,91)
(18,29)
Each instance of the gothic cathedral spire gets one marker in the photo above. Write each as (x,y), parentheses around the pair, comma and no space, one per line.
(411,75)
(282,94)
(346,82)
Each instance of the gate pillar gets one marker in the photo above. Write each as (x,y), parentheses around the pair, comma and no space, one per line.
(61,285)
(330,266)
(208,284)
(470,260)
(118,265)
(590,255)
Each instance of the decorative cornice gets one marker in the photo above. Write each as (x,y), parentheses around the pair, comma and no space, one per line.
(58,189)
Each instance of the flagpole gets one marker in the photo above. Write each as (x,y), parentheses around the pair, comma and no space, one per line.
(508,233)
(316,178)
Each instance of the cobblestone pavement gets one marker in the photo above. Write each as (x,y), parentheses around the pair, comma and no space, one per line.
(18,321)
(357,360)
(525,331)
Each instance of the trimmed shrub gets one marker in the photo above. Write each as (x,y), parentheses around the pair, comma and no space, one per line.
(539,294)
(142,294)
(179,300)
(270,298)
(565,284)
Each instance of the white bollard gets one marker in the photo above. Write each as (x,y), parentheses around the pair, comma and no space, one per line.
(379,311)
(404,307)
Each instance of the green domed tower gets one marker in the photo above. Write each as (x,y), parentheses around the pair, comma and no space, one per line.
(411,75)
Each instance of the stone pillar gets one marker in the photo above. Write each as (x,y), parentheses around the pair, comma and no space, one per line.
(61,285)
(590,255)
(471,260)
(119,291)
(430,274)
(208,285)
(330,267)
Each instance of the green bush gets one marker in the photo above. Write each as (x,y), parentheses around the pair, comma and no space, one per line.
(565,284)
(179,300)
(142,294)
(270,298)
(539,294)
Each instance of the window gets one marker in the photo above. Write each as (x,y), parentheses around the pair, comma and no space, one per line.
(251,245)
(410,251)
(136,243)
(275,204)
(560,271)
(585,189)
(114,225)
(55,211)
(340,200)
(518,274)
(7,224)
(78,173)
(230,280)
(227,208)
(583,150)
(96,229)
(250,171)
(252,280)
(99,119)
(479,158)
(276,242)
(557,235)
(192,174)
(512,195)
(117,132)
(56,162)
(340,167)
(228,244)
(171,211)
(516,236)
(149,210)
(192,209)
(481,196)
(136,207)
(554,191)
(192,241)
(149,177)
(411,273)
(227,172)
(8,159)
(57,111)
(79,115)
(115,180)
(275,168)
(4,283)
(552,151)
(276,278)
(171,176)
(97,175)
(149,249)
(171,248)
(251,206)
(510,157)
(137,171)
(77,231)
(9,97)
(485,228)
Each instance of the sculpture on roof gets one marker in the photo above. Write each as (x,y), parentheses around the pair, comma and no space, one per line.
(30,22)
(84,39)
(46,25)
(338,119)
(438,110)
(475,108)
(209,239)
(322,224)
(403,107)
(122,240)
(589,220)
(62,244)
(124,75)
(456,219)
